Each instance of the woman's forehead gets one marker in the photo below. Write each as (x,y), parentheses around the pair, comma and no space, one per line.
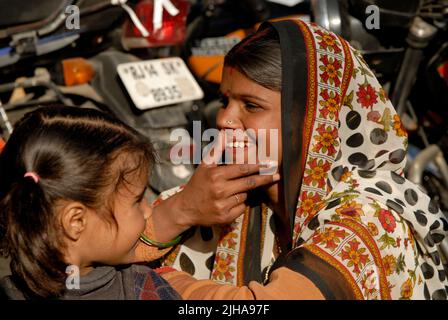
(236,84)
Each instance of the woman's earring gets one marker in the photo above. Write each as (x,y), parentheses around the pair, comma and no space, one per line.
(229,122)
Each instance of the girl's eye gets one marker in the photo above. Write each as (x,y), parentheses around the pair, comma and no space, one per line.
(141,197)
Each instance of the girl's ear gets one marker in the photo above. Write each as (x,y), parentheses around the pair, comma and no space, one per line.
(74,219)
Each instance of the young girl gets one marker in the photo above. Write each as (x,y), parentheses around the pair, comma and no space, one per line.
(72,194)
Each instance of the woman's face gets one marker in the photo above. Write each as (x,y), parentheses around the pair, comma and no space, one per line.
(248,105)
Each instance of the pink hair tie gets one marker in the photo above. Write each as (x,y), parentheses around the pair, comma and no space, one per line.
(32,175)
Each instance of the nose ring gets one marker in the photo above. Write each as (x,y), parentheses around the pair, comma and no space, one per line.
(229,122)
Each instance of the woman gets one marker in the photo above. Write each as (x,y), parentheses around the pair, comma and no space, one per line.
(342,222)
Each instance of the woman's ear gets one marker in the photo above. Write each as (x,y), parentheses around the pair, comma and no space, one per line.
(73,217)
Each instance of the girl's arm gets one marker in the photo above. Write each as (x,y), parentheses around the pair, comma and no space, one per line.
(284,284)
(146,253)
(207,199)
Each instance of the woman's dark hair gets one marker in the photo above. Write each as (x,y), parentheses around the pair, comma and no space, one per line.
(74,152)
(258,57)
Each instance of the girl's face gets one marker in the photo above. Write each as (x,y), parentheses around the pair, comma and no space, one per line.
(248,105)
(116,244)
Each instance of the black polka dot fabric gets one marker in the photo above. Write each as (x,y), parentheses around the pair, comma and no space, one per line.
(353,120)
(186,264)
(378,136)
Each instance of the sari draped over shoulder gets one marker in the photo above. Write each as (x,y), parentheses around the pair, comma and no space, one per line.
(358,228)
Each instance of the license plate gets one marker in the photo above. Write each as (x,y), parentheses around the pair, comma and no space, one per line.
(218,46)
(159,82)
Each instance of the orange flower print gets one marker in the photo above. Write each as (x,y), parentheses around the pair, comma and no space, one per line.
(229,240)
(326,140)
(331,71)
(327,41)
(223,270)
(346,175)
(411,237)
(297,228)
(369,284)
(398,127)
(372,228)
(330,237)
(389,264)
(383,95)
(316,174)
(407,289)
(387,220)
(307,202)
(355,256)
(351,209)
(330,103)
(367,96)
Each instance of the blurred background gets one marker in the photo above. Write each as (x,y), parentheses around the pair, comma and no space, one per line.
(157,64)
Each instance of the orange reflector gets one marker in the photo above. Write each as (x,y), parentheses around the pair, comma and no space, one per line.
(210,67)
(77,71)
(2,144)
(443,71)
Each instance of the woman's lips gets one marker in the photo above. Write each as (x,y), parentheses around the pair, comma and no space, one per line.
(238,144)
(240,152)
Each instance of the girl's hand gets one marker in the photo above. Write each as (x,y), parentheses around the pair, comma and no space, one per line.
(214,195)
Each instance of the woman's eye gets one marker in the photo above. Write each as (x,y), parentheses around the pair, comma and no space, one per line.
(224,101)
(252,107)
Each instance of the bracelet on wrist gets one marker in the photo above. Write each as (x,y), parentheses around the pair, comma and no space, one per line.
(160,245)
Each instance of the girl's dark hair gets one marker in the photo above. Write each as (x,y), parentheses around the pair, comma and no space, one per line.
(258,57)
(74,153)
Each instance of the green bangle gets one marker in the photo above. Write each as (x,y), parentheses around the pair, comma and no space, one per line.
(160,245)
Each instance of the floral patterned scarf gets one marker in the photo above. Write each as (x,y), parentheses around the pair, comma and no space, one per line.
(344,186)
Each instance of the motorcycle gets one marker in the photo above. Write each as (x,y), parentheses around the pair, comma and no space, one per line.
(122,58)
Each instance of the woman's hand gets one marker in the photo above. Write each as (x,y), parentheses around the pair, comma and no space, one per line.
(214,195)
